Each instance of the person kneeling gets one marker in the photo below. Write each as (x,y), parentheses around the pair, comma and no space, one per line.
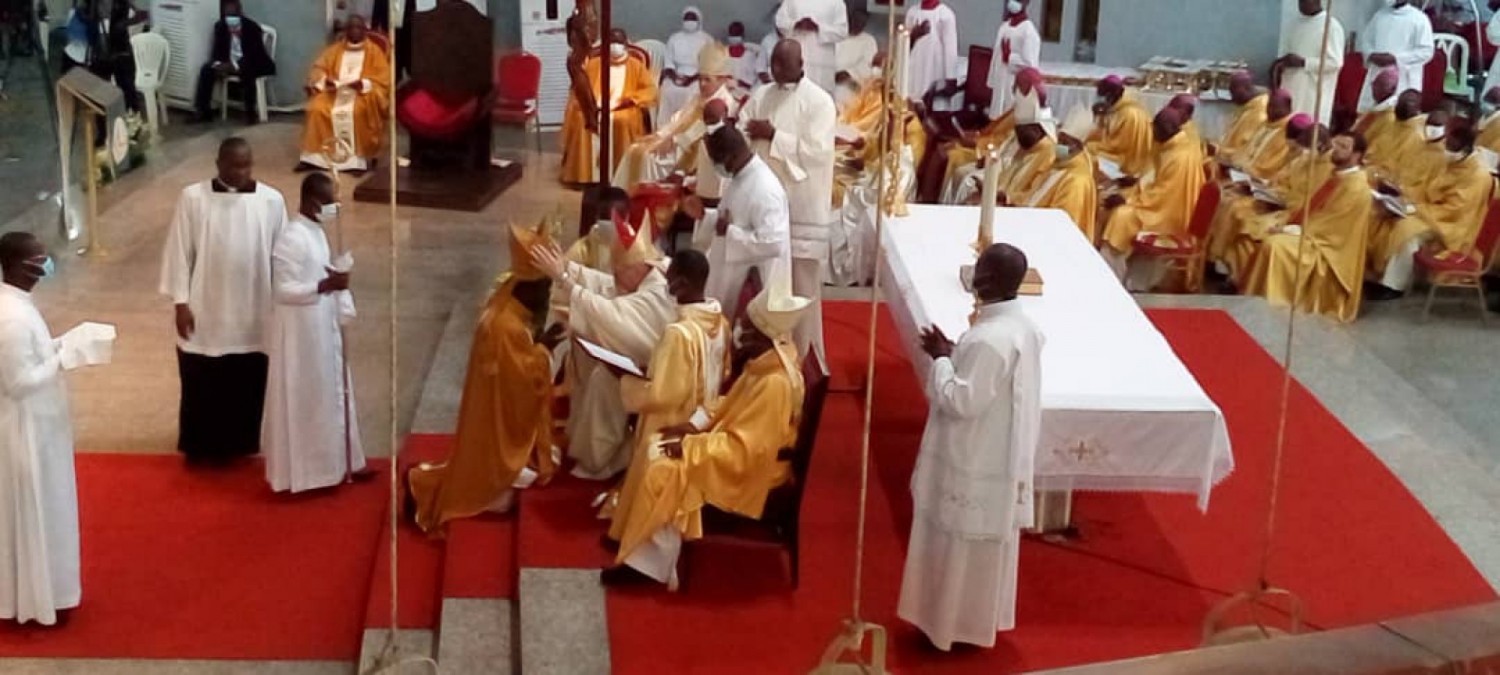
(733,464)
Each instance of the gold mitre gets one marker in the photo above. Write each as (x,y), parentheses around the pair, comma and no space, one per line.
(713,60)
(775,311)
(1079,123)
(522,240)
(632,246)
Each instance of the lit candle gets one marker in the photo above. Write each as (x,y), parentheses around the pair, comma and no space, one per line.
(987,199)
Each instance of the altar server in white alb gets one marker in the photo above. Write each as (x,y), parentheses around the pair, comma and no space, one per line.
(1399,35)
(39,564)
(311,432)
(791,126)
(216,268)
(679,70)
(1303,59)
(819,26)
(1018,46)
(750,229)
(972,487)
(933,30)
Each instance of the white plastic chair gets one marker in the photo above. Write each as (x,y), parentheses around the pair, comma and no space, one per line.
(260,82)
(152,54)
(1456,78)
(657,50)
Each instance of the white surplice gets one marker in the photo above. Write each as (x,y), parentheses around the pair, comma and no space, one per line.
(802,156)
(1017,47)
(304,436)
(970,496)
(217,261)
(630,324)
(934,58)
(39,559)
(759,235)
(681,56)
(1404,33)
(1304,37)
(856,55)
(820,48)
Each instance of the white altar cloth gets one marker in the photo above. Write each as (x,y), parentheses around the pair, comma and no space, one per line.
(1120,410)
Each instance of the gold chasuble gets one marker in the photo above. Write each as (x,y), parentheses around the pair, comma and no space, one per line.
(1071,187)
(357,117)
(687,369)
(1248,120)
(1332,246)
(1124,137)
(631,86)
(1164,203)
(733,466)
(1451,207)
(505,417)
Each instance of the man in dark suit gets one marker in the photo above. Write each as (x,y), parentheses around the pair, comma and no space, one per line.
(240,50)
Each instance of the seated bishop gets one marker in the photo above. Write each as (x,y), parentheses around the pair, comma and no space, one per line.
(733,461)
(504,417)
(677,145)
(626,312)
(632,92)
(349,98)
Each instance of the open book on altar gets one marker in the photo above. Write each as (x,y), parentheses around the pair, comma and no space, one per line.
(610,358)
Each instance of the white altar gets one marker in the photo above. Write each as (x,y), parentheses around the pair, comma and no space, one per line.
(1120,410)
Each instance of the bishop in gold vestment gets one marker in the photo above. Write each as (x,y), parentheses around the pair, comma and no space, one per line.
(504,419)
(632,91)
(1325,255)
(349,98)
(735,463)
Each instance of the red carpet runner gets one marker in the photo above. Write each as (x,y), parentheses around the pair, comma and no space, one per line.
(1139,582)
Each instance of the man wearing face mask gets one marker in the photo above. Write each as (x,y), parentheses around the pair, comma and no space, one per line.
(750,229)
(216,268)
(624,312)
(791,127)
(39,555)
(679,70)
(744,59)
(818,26)
(1450,206)
(676,144)
(1399,35)
(1070,185)
(1018,45)
(239,49)
(311,431)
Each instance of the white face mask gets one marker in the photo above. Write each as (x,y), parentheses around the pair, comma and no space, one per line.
(1433,133)
(617,50)
(1014,6)
(328,212)
(690,26)
(735,40)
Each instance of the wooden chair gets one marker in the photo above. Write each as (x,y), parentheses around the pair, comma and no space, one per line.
(1187,253)
(1465,270)
(781,521)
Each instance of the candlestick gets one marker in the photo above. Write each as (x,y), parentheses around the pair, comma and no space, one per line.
(987,202)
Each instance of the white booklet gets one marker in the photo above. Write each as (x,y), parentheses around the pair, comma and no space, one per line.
(610,358)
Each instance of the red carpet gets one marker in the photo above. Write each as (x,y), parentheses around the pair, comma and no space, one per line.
(1147,569)
(203,564)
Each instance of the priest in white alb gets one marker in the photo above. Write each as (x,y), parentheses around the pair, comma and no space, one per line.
(791,126)
(1400,36)
(311,431)
(1304,59)
(819,26)
(972,486)
(1018,46)
(39,559)
(216,268)
(750,229)
(624,312)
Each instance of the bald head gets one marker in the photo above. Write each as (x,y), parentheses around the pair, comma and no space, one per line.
(786,62)
(999,273)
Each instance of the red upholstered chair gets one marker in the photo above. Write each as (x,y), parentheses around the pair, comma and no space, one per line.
(1188,254)
(1464,270)
(518,81)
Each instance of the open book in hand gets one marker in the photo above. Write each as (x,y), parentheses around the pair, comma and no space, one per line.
(610,358)
(87,344)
